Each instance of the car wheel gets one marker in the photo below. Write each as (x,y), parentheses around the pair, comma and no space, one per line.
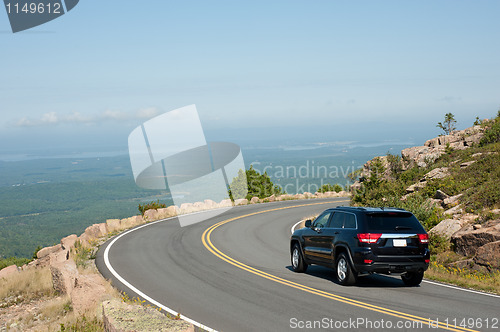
(412,278)
(298,264)
(345,273)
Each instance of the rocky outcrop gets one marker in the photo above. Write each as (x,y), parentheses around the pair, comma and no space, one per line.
(225,203)
(68,242)
(447,227)
(113,225)
(132,222)
(451,201)
(423,156)
(434,148)
(96,231)
(489,255)
(48,250)
(468,240)
(209,204)
(241,201)
(254,200)
(63,276)
(456,210)
(284,197)
(9,270)
(441,195)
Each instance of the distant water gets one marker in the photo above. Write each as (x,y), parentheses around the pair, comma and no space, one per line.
(81,155)
(343,146)
(338,145)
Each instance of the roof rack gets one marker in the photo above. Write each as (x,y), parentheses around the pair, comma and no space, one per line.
(352,207)
(368,208)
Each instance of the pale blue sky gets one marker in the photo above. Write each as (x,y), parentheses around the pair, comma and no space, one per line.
(369,69)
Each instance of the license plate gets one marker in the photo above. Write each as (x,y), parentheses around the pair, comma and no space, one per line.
(399,242)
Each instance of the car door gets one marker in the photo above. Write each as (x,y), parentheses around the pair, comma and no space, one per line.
(323,245)
(332,231)
(314,240)
(345,227)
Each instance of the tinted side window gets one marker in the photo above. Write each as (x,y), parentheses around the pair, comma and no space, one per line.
(322,220)
(350,221)
(337,220)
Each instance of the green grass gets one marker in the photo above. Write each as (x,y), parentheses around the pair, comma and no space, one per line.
(83,324)
(13,261)
(442,270)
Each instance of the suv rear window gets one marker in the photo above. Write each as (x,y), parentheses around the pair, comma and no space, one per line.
(392,221)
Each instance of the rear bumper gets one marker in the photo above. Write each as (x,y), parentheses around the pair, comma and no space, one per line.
(393,267)
(368,262)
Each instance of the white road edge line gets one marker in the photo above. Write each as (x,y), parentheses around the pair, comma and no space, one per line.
(432,282)
(459,288)
(137,291)
(295,225)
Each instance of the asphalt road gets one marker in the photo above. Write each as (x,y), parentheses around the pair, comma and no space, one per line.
(232,273)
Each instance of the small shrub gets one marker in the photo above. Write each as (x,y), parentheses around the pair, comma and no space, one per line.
(448,149)
(448,125)
(82,254)
(253,184)
(36,252)
(354,176)
(328,187)
(152,205)
(395,164)
(438,244)
(83,324)
(492,132)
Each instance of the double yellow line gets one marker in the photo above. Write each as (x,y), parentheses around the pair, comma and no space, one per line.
(207,242)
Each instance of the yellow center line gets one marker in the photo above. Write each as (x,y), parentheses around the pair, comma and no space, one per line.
(207,242)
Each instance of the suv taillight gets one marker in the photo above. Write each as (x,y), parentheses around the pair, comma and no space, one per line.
(423,238)
(368,237)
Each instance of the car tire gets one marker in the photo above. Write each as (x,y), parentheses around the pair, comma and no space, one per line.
(345,274)
(298,263)
(412,279)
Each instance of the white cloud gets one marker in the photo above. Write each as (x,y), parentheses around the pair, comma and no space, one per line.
(46,119)
(50,117)
(24,122)
(147,113)
(54,118)
(77,117)
(114,115)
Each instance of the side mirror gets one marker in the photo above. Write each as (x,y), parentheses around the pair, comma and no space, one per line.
(308,223)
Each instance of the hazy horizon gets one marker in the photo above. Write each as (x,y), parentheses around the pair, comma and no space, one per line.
(284,72)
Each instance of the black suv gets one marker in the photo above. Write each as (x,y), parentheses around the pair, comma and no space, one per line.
(358,240)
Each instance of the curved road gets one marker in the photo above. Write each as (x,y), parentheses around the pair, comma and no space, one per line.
(232,273)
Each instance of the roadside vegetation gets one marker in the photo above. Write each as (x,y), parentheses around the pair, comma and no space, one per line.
(442,269)
(258,185)
(152,205)
(479,183)
(328,187)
